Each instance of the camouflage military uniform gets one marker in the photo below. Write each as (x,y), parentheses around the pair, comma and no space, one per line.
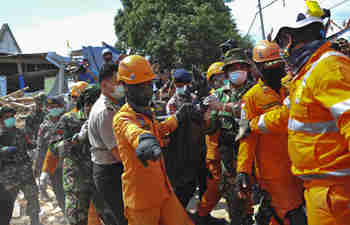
(35,118)
(16,172)
(45,131)
(227,149)
(77,168)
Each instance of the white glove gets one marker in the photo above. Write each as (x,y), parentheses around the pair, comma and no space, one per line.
(210,100)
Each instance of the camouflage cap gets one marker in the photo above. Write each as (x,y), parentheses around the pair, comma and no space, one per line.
(233,56)
(6,109)
(40,98)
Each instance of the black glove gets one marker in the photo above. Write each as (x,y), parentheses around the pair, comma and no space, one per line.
(244,130)
(242,182)
(148,149)
(297,216)
(185,113)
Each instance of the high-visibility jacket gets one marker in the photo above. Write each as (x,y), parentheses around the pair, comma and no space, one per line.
(317,115)
(269,151)
(143,187)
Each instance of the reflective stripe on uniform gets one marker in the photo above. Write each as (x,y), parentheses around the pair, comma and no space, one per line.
(314,128)
(338,109)
(337,173)
(325,55)
(286,102)
(261,124)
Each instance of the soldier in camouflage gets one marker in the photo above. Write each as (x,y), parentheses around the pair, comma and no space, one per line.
(55,107)
(225,105)
(35,118)
(70,143)
(46,129)
(16,167)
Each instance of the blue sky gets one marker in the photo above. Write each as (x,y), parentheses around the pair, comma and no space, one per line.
(46,25)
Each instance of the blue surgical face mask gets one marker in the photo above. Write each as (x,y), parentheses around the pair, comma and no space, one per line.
(180,90)
(56,111)
(10,122)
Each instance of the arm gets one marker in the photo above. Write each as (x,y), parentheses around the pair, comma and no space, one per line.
(332,91)
(125,127)
(246,153)
(275,121)
(104,127)
(168,126)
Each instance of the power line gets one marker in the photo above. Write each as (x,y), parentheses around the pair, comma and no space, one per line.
(339,4)
(256,14)
(261,20)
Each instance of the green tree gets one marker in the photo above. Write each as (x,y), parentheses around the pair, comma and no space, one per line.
(186,32)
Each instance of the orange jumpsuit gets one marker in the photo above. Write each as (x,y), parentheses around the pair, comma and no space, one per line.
(318,123)
(269,153)
(212,195)
(147,192)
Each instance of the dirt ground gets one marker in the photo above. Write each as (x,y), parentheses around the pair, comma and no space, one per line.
(51,214)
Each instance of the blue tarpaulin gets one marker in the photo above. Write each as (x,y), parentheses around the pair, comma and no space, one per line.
(94,55)
(22,83)
(3,85)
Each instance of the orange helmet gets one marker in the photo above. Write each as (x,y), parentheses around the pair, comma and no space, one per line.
(78,88)
(215,68)
(135,69)
(266,51)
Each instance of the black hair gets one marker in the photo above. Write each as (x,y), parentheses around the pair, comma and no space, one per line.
(308,33)
(107,71)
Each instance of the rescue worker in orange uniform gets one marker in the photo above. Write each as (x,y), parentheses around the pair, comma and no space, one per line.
(317,117)
(147,192)
(210,198)
(268,152)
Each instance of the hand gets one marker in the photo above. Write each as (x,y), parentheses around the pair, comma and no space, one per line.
(148,149)
(76,139)
(242,185)
(44,181)
(212,101)
(244,130)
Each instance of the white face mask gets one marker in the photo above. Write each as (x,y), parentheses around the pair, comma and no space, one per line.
(238,77)
(119,92)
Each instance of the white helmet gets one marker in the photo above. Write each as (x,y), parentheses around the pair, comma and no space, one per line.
(296,20)
(105,51)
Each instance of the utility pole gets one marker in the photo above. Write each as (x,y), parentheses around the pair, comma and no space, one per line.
(261,20)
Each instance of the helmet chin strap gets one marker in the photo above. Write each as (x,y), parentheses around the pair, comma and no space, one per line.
(286,50)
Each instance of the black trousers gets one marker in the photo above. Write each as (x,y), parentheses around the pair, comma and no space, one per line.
(6,205)
(107,179)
